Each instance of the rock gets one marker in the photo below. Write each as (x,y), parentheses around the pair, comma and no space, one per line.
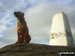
(34,50)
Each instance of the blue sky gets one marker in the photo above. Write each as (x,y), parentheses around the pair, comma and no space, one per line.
(38,14)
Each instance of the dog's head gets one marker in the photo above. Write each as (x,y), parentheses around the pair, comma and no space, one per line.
(19,14)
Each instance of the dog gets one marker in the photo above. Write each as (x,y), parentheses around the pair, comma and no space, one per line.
(22,29)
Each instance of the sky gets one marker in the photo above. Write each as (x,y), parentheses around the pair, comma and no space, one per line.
(38,14)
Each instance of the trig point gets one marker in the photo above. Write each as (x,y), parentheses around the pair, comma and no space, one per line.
(60,31)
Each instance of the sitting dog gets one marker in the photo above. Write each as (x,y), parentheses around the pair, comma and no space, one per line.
(22,29)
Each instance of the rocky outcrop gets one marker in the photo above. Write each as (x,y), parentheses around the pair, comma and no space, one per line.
(34,50)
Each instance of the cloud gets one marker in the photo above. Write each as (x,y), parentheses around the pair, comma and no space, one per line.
(10,33)
(40,17)
(2,27)
(9,36)
(38,14)
(5,41)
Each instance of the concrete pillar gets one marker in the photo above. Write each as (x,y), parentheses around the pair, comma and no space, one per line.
(60,31)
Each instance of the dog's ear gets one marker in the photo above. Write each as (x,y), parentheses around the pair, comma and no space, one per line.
(20,14)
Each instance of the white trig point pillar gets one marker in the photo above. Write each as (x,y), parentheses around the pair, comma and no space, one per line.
(60,31)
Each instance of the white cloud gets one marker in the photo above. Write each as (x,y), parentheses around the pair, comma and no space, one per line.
(1,36)
(38,17)
(5,20)
(20,4)
(9,36)
(2,28)
(10,33)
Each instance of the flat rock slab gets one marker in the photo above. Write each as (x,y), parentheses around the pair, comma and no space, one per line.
(34,50)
